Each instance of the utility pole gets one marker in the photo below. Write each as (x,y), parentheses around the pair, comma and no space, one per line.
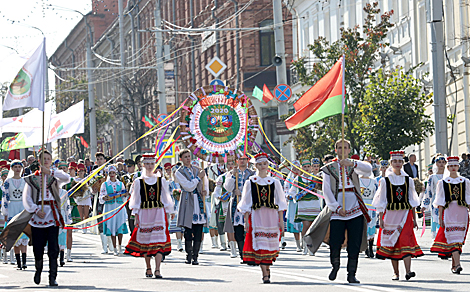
(159,57)
(91,92)
(125,125)
(434,18)
(281,73)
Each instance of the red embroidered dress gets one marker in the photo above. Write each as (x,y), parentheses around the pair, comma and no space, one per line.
(452,194)
(262,198)
(395,197)
(151,200)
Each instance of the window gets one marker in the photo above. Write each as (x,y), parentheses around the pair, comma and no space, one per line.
(267,47)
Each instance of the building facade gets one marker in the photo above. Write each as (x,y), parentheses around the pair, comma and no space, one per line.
(410,46)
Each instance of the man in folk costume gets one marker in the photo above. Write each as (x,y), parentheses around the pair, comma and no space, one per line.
(234,222)
(350,216)
(308,205)
(452,198)
(430,193)
(396,200)
(191,213)
(151,204)
(263,203)
(42,213)
(207,205)
(222,198)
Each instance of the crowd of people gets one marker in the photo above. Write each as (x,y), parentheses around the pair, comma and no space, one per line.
(247,207)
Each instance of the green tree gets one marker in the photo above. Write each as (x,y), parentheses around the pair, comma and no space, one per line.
(393,112)
(361,54)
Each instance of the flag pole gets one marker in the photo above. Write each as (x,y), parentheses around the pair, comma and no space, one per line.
(342,139)
(43,184)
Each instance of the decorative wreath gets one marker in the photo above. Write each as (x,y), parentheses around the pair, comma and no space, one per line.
(215,122)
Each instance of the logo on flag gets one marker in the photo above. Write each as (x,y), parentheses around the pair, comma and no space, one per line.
(20,88)
(56,128)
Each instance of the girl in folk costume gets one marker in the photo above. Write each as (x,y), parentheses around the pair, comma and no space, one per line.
(263,203)
(452,197)
(292,226)
(384,165)
(175,193)
(368,189)
(430,194)
(151,205)
(72,170)
(308,205)
(83,202)
(395,200)
(112,195)
(66,211)
(12,204)
(222,198)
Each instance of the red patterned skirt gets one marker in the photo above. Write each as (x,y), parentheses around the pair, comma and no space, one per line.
(257,257)
(441,245)
(405,245)
(152,236)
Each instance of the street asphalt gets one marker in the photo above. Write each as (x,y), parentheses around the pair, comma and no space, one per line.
(92,271)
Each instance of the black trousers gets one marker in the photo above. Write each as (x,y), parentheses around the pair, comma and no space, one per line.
(131,220)
(41,236)
(240,238)
(192,240)
(355,228)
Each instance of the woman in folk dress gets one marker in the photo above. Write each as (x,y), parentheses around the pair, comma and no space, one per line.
(116,225)
(151,203)
(83,203)
(452,198)
(395,200)
(263,203)
(12,204)
(292,226)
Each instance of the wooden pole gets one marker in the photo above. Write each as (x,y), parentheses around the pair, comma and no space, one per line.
(343,177)
(203,187)
(43,181)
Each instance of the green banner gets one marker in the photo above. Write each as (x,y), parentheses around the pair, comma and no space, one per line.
(13,143)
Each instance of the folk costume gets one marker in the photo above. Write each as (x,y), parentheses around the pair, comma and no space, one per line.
(430,197)
(368,189)
(453,195)
(152,202)
(308,205)
(117,223)
(263,199)
(234,221)
(355,221)
(75,214)
(291,225)
(191,214)
(11,205)
(222,199)
(44,230)
(395,198)
(66,211)
(175,192)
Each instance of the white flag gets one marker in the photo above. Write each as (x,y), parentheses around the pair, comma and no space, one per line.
(62,125)
(27,90)
(28,122)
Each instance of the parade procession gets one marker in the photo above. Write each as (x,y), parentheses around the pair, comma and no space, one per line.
(183,145)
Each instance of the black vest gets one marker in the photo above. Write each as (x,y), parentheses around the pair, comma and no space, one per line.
(454,192)
(263,196)
(150,194)
(397,196)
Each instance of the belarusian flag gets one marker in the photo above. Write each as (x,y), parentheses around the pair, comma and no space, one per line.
(324,99)
(264,95)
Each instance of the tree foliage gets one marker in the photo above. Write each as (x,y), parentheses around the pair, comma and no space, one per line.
(393,112)
(360,48)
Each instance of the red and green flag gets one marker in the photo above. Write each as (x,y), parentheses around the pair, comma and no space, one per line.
(148,122)
(264,95)
(322,100)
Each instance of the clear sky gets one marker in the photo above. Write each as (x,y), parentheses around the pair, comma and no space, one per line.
(16,19)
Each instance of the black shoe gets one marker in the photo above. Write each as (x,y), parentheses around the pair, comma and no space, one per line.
(266,280)
(352,279)
(158,276)
(367,253)
(410,275)
(195,262)
(188,259)
(333,273)
(53,283)
(37,278)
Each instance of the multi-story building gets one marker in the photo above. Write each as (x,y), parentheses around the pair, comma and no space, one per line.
(409,46)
